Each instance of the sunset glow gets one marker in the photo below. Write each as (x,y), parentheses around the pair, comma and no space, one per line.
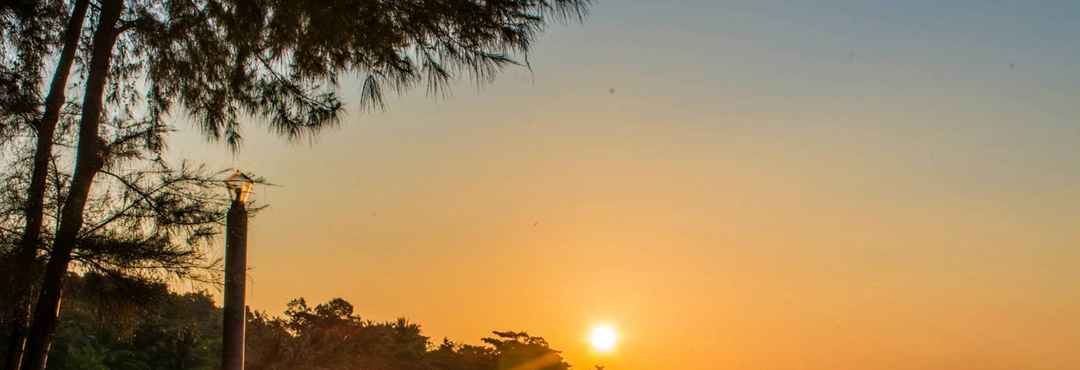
(603,338)
(699,185)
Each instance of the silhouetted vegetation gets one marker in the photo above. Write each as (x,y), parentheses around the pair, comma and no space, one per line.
(147,225)
(118,323)
(221,62)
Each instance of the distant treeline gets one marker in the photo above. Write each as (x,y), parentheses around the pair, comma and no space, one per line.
(123,324)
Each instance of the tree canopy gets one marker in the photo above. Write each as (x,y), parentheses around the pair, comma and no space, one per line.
(282,61)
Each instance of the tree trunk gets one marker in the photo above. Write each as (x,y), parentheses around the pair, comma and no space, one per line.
(21,289)
(88,161)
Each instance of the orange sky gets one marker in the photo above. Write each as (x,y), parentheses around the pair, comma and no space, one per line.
(766,188)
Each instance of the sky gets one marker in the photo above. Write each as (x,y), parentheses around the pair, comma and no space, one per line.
(730,184)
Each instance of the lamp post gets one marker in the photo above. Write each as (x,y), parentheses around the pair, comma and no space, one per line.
(232,349)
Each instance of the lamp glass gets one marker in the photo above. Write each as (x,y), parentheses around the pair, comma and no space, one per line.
(239,186)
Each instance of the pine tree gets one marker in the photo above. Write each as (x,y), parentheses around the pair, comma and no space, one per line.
(280,61)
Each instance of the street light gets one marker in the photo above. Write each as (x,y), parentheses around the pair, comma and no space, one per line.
(232,349)
(239,186)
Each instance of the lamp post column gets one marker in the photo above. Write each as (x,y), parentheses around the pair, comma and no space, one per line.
(235,270)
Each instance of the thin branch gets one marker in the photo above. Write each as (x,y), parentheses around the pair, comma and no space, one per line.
(145,197)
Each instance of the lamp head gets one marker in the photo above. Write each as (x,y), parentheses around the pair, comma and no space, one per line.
(239,185)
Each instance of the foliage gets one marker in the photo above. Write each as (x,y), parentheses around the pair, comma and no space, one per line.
(151,224)
(127,324)
(219,61)
(29,31)
(281,61)
(121,323)
(331,336)
(154,221)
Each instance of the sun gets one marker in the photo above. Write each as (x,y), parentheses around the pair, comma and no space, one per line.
(603,338)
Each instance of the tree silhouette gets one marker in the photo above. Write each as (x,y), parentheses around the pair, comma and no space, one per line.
(19,104)
(148,223)
(118,323)
(519,350)
(108,329)
(330,336)
(273,60)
